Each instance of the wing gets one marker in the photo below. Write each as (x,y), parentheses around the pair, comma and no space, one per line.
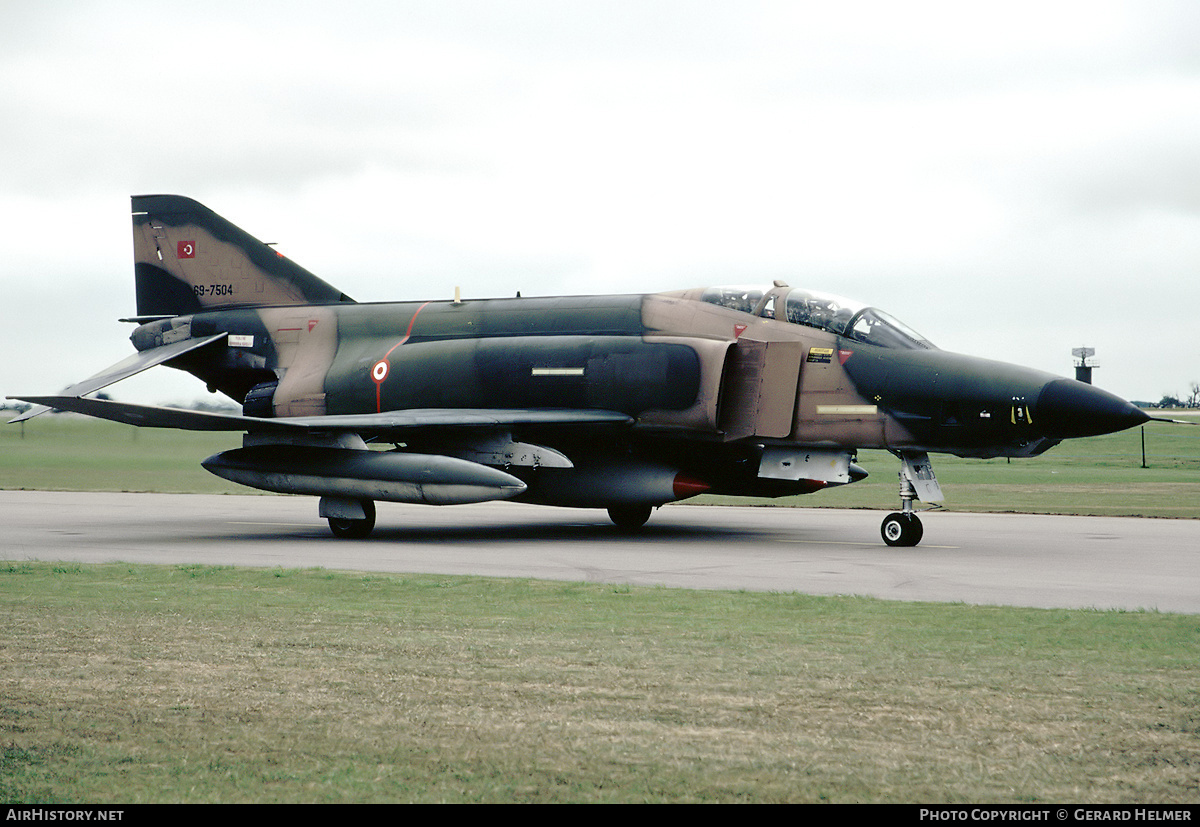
(368,425)
(136,363)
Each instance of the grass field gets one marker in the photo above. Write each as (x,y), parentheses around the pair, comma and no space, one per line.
(129,684)
(72,453)
(126,684)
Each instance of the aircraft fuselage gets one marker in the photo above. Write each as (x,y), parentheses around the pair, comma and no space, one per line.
(683,368)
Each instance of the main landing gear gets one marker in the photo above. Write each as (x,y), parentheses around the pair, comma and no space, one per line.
(349,519)
(355,519)
(629,518)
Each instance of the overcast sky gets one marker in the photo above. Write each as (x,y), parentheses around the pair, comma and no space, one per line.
(1011,179)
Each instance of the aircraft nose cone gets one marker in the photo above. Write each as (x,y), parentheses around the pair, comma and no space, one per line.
(1067,408)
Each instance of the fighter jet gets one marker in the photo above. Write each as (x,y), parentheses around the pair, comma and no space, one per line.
(623,402)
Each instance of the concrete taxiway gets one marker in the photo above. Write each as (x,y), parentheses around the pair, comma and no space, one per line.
(1002,559)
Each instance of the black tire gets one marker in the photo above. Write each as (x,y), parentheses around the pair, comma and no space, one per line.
(902,530)
(629,518)
(347,529)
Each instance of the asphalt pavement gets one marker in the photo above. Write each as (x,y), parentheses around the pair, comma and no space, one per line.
(999,559)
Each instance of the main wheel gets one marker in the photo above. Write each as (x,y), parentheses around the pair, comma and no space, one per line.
(629,518)
(902,529)
(349,529)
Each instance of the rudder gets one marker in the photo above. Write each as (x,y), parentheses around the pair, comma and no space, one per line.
(188,259)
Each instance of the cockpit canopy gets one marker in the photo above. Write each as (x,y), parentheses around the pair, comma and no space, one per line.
(824,311)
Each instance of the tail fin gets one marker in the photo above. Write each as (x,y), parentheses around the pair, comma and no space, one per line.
(187,259)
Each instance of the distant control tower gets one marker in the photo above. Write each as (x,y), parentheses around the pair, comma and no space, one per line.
(1083,368)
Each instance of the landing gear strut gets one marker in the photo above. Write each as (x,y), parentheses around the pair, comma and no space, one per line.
(903,528)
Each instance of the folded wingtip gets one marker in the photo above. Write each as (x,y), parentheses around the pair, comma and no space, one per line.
(36,410)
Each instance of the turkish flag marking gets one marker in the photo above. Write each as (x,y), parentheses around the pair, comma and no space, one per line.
(186,249)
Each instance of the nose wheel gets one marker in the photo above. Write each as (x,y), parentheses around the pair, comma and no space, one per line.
(900,529)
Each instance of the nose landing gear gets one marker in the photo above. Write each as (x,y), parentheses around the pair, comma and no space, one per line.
(917,482)
(903,528)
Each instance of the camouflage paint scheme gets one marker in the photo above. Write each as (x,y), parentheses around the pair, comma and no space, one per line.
(623,402)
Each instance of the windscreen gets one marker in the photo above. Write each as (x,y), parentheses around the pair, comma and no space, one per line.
(851,319)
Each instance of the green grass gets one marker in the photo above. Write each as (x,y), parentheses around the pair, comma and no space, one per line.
(71,453)
(129,684)
(1098,476)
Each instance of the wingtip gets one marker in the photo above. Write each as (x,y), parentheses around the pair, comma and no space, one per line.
(36,410)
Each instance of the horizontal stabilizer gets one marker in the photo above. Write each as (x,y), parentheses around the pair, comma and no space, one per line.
(134,364)
(376,425)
